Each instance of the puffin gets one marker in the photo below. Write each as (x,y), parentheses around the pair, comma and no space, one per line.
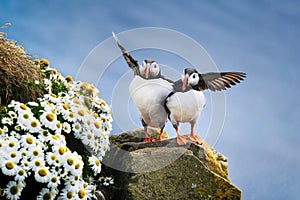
(185,103)
(148,90)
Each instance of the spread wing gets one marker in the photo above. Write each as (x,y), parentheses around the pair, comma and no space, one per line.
(132,63)
(219,81)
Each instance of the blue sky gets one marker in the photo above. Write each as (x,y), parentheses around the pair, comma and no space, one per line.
(261,131)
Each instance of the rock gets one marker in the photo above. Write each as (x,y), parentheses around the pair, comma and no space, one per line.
(165,170)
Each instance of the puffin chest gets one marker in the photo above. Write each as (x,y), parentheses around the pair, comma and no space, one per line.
(149,91)
(186,106)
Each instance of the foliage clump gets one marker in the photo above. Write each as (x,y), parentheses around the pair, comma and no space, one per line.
(18,74)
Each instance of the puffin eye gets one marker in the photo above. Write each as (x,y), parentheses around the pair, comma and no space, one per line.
(194,76)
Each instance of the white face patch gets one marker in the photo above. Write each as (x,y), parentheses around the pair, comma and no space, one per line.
(143,68)
(154,69)
(193,79)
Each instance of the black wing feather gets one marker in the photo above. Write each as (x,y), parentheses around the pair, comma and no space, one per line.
(219,81)
(132,63)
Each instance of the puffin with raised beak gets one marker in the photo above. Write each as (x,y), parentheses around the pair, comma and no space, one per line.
(186,103)
(148,90)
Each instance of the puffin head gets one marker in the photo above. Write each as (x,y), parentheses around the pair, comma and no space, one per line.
(149,69)
(190,77)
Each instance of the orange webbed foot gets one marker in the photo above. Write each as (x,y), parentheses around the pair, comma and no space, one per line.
(196,138)
(181,140)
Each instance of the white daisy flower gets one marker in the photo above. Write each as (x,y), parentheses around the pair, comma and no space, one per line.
(7,120)
(12,144)
(42,174)
(66,127)
(21,108)
(14,156)
(77,129)
(13,190)
(21,175)
(56,140)
(9,168)
(34,125)
(37,163)
(26,165)
(24,119)
(82,193)
(49,120)
(47,193)
(88,138)
(54,180)
(95,164)
(35,151)
(60,152)
(68,193)
(51,159)
(12,114)
(28,141)
(71,117)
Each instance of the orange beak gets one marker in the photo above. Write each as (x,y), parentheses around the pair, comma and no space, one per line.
(147,70)
(184,82)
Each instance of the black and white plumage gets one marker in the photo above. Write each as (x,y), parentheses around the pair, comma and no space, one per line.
(148,90)
(186,103)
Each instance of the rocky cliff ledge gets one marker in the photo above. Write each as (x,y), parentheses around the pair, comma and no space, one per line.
(164,170)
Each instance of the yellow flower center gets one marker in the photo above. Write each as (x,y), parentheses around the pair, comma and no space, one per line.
(70,161)
(77,126)
(29,140)
(58,125)
(23,106)
(81,113)
(70,195)
(88,122)
(44,62)
(89,136)
(71,115)
(11,144)
(65,106)
(25,116)
(9,165)
(69,79)
(21,172)
(81,193)
(50,117)
(97,162)
(52,157)
(13,154)
(14,190)
(47,196)
(37,163)
(54,137)
(43,171)
(61,150)
(34,124)
(77,166)
(84,86)
(95,115)
(35,152)
(76,101)
(53,95)
(85,185)
(97,124)
(54,179)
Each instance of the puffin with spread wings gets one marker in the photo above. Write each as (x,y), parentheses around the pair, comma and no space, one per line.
(185,105)
(148,90)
